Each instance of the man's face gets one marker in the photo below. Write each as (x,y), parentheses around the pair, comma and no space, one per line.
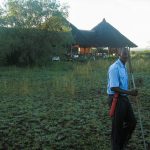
(124,55)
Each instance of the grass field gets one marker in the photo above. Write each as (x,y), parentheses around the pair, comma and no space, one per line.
(64,106)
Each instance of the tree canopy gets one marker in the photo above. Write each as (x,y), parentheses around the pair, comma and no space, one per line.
(32,13)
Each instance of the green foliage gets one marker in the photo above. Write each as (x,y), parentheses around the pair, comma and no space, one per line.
(26,40)
(141,54)
(56,23)
(63,106)
(31,46)
(141,60)
(30,13)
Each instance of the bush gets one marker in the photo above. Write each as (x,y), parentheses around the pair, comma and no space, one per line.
(31,46)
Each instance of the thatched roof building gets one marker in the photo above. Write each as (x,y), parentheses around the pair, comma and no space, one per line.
(80,38)
(102,35)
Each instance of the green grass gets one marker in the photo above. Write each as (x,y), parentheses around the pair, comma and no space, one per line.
(64,106)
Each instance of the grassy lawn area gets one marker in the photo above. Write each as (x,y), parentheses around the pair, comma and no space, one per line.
(64,106)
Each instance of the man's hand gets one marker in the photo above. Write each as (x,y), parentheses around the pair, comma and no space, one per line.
(133,92)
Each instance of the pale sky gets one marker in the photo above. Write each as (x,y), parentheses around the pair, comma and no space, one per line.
(130,17)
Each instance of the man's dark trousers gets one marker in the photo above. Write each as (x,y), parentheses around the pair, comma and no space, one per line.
(123,122)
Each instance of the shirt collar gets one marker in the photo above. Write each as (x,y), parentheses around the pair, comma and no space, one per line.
(121,64)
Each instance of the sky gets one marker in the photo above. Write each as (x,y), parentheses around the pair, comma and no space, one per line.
(130,17)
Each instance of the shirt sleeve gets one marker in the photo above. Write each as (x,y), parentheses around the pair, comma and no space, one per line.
(114,78)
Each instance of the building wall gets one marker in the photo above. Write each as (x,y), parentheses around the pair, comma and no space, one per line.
(84,50)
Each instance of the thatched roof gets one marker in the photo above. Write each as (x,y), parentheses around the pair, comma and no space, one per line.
(102,35)
(107,36)
(78,36)
(89,37)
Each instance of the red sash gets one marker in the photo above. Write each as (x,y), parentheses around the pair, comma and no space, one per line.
(113,105)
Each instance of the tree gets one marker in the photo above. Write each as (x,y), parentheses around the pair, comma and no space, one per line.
(23,47)
(56,23)
(30,13)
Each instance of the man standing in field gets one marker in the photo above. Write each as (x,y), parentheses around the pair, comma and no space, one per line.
(123,119)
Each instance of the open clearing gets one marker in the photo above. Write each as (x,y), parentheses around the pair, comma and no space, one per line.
(64,106)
